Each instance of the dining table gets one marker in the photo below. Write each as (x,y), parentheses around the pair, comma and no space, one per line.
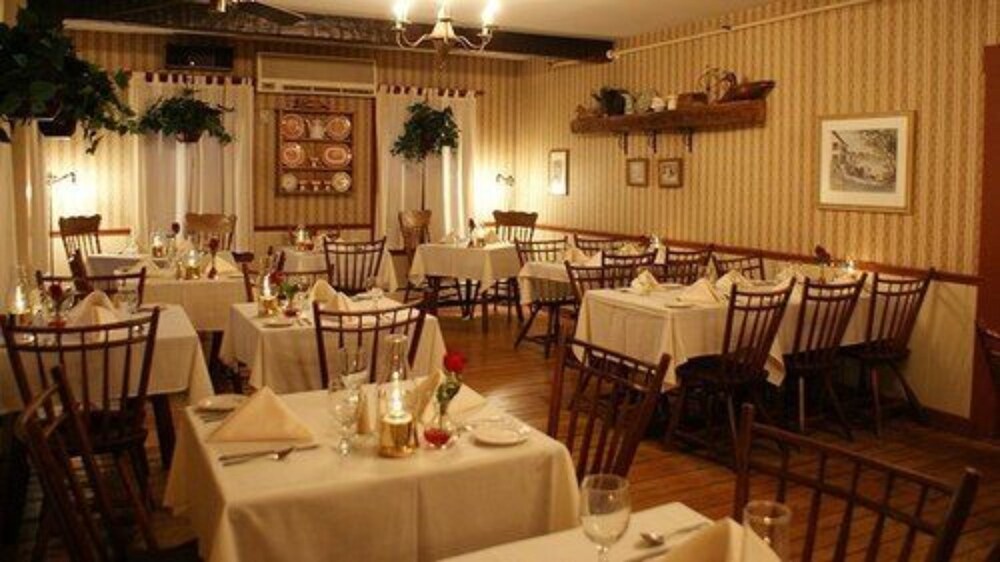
(675,521)
(646,326)
(285,357)
(319,505)
(106,263)
(311,261)
(206,301)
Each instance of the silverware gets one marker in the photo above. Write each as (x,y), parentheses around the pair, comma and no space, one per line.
(654,539)
(269,452)
(279,455)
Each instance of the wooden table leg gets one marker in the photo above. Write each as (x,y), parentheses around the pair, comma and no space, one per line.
(480,296)
(164,428)
(13,481)
(435,294)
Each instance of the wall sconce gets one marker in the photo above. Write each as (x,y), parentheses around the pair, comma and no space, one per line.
(52,179)
(505,180)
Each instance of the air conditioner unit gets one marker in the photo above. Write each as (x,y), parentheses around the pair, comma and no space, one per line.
(302,74)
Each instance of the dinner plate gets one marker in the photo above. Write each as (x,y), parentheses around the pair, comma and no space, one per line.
(500,434)
(220,403)
(292,154)
(342,182)
(337,156)
(338,127)
(293,126)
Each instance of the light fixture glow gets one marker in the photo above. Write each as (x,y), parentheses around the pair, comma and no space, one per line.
(443,34)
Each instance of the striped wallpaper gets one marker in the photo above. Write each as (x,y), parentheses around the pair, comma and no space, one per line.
(757,187)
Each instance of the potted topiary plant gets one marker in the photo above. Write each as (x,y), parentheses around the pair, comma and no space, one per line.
(42,79)
(427,131)
(186,118)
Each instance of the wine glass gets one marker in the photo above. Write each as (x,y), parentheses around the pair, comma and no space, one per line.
(352,367)
(344,408)
(374,291)
(770,521)
(605,509)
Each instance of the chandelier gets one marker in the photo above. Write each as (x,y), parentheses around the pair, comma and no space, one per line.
(443,36)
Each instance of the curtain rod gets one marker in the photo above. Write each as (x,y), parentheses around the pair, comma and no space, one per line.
(450,92)
(616,54)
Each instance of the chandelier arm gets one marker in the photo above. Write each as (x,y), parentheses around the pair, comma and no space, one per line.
(465,42)
(403,41)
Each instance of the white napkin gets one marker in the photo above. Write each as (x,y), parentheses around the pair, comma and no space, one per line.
(491,237)
(726,282)
(451,238)
(426,389)
(699,292)
(95,309)
(328,297)
(595,260)
(645,283)
(629,249)
(575,255)
(366,417)
(464,402)
(264,417)
(722,542)
(152,270)
(222,266)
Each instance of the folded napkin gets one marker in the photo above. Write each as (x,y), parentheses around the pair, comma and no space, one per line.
(366,415)
(722,542)
(426,389)
(629,249)
(575,255)
(222,266)
(726,282)
(645,283)
(152,270)
(595,260)
(264,417)
(464,402)
(328,297)
(451,238)
(490,237)
(699,292)
(95,309)
(791,271)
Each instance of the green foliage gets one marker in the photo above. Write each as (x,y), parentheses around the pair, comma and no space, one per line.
(41,76)
(427,131)
(185,114)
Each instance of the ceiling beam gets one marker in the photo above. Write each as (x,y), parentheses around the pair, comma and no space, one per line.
(194,16)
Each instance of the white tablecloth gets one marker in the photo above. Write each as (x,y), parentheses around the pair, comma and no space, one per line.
(319,506)
(573,545)
(206,301)
(644,327)
(178,364)
(298,261)
(545,272)
(485,265)
(107,264)
(286,359)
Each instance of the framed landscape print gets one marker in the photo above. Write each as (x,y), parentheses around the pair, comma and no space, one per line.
(637,172)
(866,162)
(559,172)
(670,172)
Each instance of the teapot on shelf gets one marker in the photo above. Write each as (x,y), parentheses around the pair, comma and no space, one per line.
(317,128)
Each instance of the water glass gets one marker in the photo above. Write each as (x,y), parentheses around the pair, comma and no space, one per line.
(605,508)
(344,408)
(770,521)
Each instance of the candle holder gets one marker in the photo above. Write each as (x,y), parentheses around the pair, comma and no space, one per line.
(192,266)
(397,437)
(267,305)
(397,428)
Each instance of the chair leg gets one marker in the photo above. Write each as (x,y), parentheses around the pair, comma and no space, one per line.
(802,404)
(43,533)
(838,409)
(13,482)
(675,415)
(524,329)
(556,312)
(911,396)
(876,400)
(126,470)
(517,300)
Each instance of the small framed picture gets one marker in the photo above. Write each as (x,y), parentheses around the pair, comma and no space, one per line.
(866,162)
(559,172)
(670,173)
(637,172)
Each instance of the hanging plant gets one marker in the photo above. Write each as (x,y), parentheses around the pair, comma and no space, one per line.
(41,78)
(187,118)
(427,131)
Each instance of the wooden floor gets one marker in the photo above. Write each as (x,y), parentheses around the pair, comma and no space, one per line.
(517,381)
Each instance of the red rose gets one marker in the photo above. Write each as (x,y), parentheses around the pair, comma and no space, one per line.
(56,292)
(276,278)
(213,245)
(454,362)
(175,228)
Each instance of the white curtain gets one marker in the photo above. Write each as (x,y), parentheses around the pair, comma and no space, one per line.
(449,178)
(207,177)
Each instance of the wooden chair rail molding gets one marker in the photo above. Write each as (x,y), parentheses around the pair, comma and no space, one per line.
(943,276)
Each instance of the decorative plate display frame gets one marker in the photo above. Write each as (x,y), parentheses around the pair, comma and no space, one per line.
(324,136)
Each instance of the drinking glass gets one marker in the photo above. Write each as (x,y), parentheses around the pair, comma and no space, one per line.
(128,296)
(352,366)
(374,291)
(770,521)
(605,509)
(345,412)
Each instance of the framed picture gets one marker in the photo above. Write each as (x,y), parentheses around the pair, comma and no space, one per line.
(559,172)
(670,172)
(637,172)
(866,162)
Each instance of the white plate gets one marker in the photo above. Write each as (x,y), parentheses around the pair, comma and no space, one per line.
(220,403)
(279,323)
(502,434)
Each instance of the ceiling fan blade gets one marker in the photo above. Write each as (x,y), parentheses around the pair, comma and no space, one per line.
(279,16)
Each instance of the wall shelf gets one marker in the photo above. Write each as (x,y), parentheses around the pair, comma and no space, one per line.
(686,121)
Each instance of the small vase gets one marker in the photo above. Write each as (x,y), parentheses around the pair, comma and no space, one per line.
(212,271)
(440,433)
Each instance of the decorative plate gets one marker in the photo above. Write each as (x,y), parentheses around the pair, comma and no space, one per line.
(338,127)
(342,182)
(337,156)
(293,126)
(292,154)
(289,182)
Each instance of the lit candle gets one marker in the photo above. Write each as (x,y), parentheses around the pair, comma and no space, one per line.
(400,11)
(192,269)
(158,247)
(490,14)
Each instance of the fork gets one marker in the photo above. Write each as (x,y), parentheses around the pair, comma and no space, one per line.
(278,455)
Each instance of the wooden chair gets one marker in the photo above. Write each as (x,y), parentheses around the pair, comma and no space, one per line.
(109,364)
(351,264)
(627,266)
(78,501)
(591,246)
(989,343)
(824,314)
(737,373)
(548,295)
(873,507)
(751,266)
(583,278)
(336,330)
(683,267)
(111,285)
(202,227)
(414,229)
(609,406)
(895,305)
(515,225)
(81,234)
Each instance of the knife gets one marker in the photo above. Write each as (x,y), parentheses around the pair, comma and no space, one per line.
(254,454)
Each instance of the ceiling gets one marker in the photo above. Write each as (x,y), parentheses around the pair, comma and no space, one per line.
(577,18)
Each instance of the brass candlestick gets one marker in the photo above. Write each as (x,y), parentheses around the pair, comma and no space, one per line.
(397,436)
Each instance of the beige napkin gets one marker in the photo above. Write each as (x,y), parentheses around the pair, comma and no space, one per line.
(222,266)
(645,283)
(726,282)
(264,417)
(574,255)
(366,417)
(629,249)
(328,297)
(464,402)
(152,270)
(94,310)
(595,260)
(722,542)
(699,292)
(426,389)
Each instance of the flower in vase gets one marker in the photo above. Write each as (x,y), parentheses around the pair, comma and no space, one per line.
(454,362)
(175,228)
(213,245)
